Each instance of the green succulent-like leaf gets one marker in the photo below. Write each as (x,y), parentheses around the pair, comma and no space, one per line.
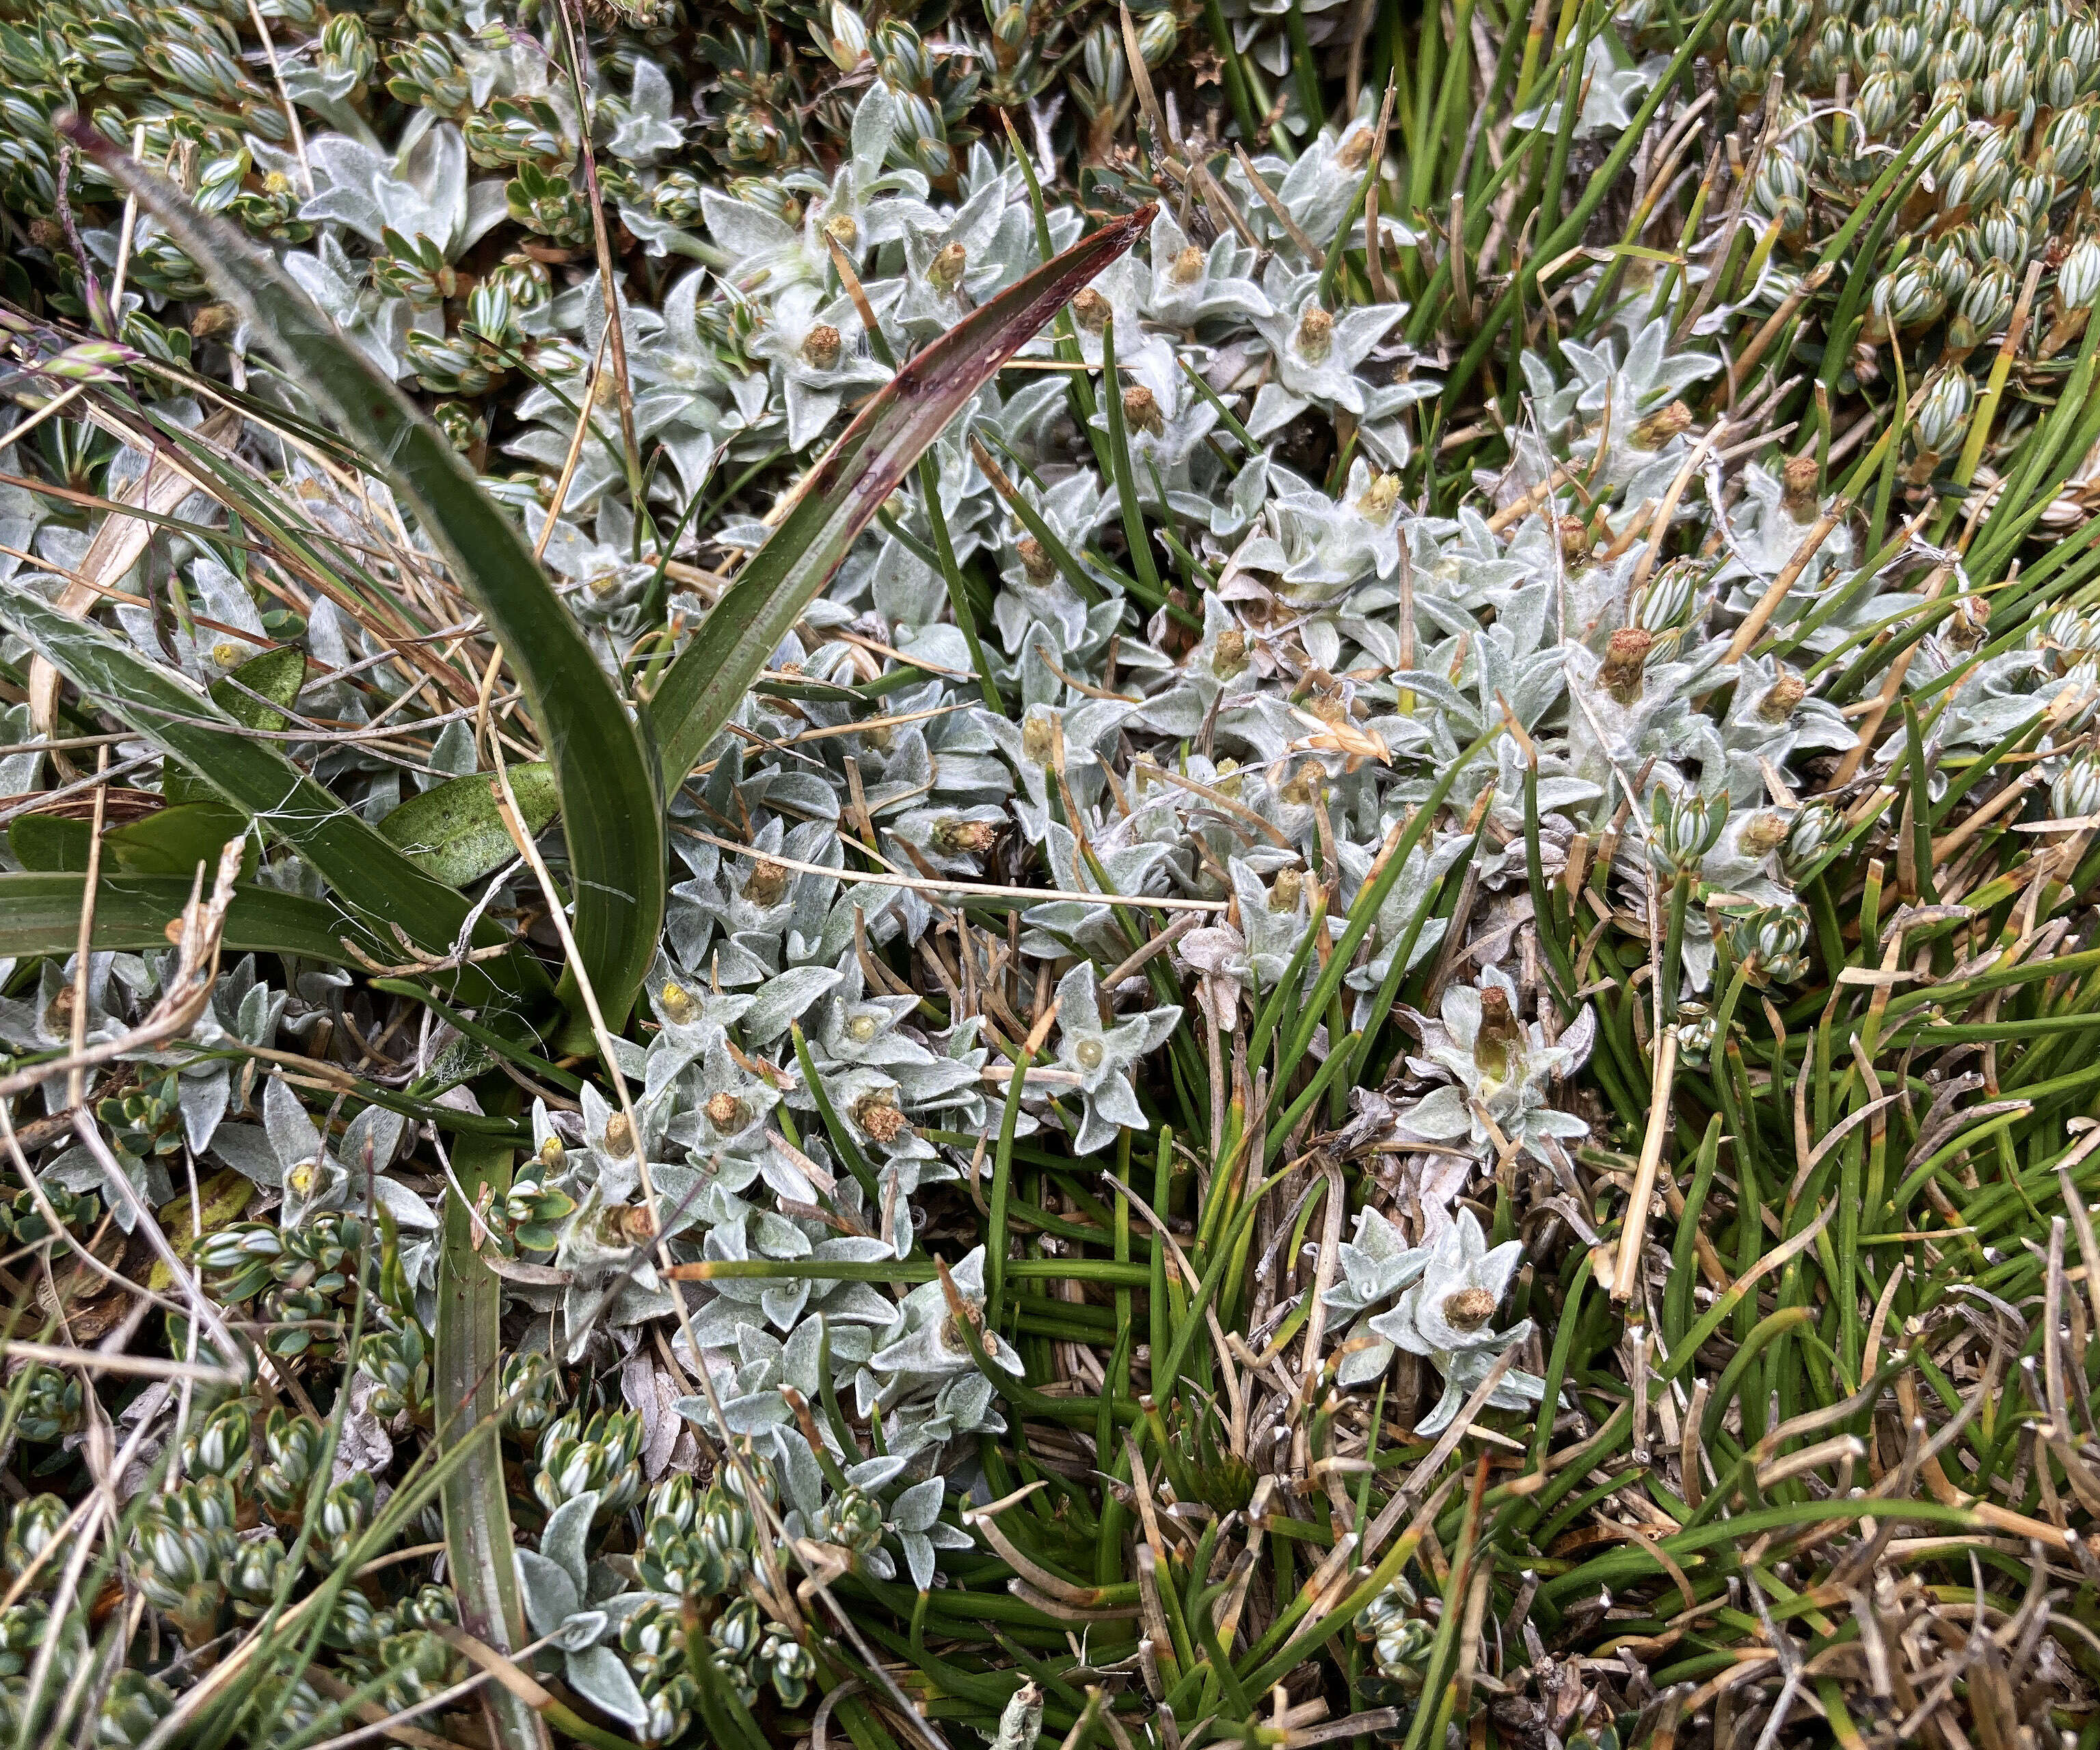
(455,830)
(703,684)
(274,676)
(256,696)
(612,808)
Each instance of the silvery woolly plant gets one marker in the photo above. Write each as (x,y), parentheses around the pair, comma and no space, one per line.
(1118,643)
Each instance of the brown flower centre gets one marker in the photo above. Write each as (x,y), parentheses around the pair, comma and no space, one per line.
(1625,657)
(1380,496)
(1316,333)
(1468,1309)
(1781,698)
(1188,266)
(821,350)
(1763,833)
(882,1120)
(1092,310)
(1798,497)
(619,1136)
(1662,425)
(726,1111)
(1036,561)
(944,273)
(1141,408)
(965,837)
(1039,738)
(1497,1041)
(767,885)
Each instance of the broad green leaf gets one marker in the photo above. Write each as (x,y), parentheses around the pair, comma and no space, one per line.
(48,844)
(455,830)
(704,683)
(374,885)
(169,841)
(40,913)
(611,807)
(174,841)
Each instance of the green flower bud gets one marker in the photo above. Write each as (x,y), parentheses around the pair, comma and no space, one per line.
(532,1389)
(1884,99)
(31,1528)
(292,1449)
(603,1454)
(52,1406)
(1942,416)
(219,1447)
(134,1705)
(1909,297)
(254,1574)
(2078,279)
(346,1510)
(344,48)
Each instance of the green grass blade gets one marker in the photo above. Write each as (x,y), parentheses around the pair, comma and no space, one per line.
(611,811)
(712,674)
(468,1380)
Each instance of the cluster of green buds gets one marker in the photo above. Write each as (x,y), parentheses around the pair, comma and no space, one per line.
(1814,829)
(1399,1638)
(696,1543)
(1999,102)
(294,1447)
(1684,829)
(147,1121)
(408,1668)
(523,130)
(427,72)
(346,1515)
(2074,793)
(22,1629)
(1695,1028)
(1770,943)
(31,1529)
(653,1645)
(1100,85)
(761,123)
(184,1548)
(850,1520)
(48,1402)
(22,1219)
(1941,422)
(748,1650)
(549,203)
(398,1361)
(531,1394)
(222,1444)
(304,1275)
(132,1710)
(603,1454)
(267,202)
(535,1210)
